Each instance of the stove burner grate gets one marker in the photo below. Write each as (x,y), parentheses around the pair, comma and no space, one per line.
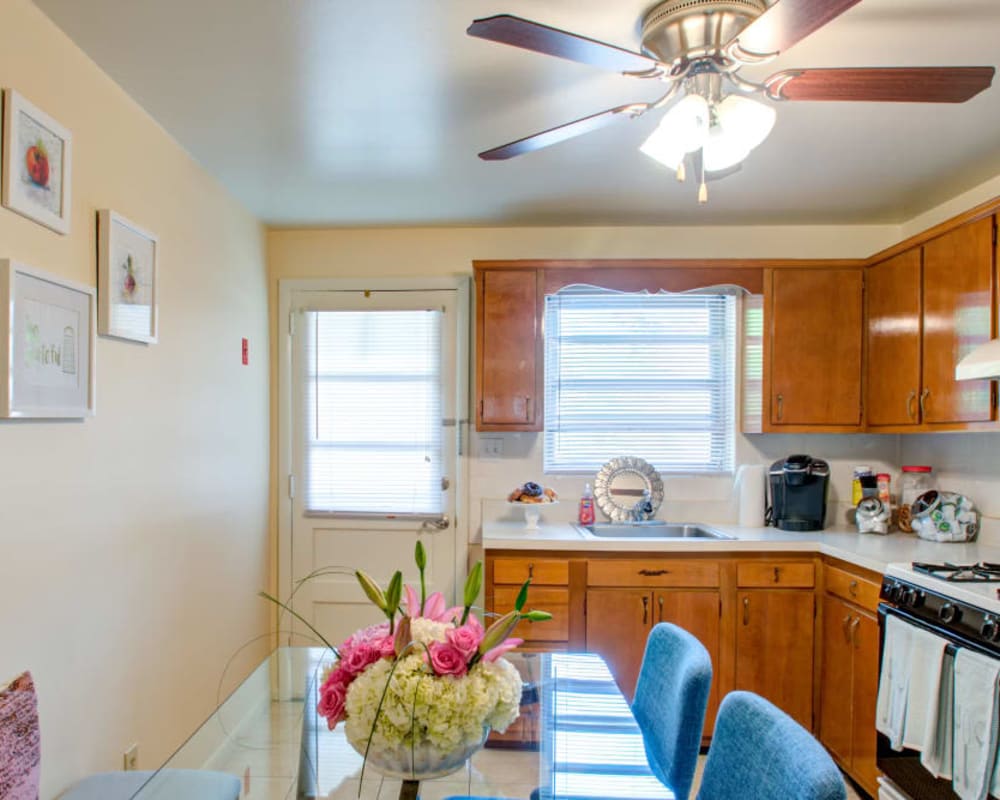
(983,572)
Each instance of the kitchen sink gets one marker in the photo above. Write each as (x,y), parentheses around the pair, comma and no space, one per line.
(650,529)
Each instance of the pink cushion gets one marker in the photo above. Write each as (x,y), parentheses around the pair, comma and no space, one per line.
(20,744)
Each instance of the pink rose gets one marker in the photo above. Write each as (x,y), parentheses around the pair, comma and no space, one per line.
(332,698)
(507,644)
(386,646)
(359,657)
(447,660)
(467,638)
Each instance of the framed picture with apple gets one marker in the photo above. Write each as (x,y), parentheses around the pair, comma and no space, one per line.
(37,160)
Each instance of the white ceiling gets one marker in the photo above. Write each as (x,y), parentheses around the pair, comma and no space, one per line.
(329,112)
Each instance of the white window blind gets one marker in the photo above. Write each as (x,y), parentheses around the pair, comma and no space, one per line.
(373,412)
(645,375)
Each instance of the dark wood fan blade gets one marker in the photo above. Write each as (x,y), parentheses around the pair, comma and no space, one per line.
(508,29)
(568,131)
(788,22)
(882,84)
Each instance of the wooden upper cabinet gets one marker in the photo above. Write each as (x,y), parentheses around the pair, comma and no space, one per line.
(508,351)
(813,347)
(893,331)
(958,316)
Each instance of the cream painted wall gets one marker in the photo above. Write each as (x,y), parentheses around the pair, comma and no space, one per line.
(132,543)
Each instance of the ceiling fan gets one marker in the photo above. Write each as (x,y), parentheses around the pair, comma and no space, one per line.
(697,48)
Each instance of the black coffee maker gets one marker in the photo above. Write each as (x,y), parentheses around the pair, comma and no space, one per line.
(798,487)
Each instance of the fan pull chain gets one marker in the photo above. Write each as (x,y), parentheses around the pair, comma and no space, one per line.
(681,172)
(703,189)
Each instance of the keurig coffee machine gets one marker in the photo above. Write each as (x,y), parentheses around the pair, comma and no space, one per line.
(798,493)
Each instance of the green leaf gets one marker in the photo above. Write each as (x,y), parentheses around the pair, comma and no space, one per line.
(522,596)
(372,590)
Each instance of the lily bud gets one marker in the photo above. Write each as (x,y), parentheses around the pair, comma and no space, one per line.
(394,592)
(402,638)
(371,589)
(473,583)
(537,616)
(420,556)
(498,631)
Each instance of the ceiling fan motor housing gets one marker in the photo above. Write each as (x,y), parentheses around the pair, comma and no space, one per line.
(676,31)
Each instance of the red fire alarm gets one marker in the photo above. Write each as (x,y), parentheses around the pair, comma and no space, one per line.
(246,351)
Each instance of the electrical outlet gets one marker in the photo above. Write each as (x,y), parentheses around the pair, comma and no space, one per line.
(490,447)
(130,758)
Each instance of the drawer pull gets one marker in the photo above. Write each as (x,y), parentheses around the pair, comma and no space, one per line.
(746,610)
(651,572)
(531,571)
(645,610)
(852,588)
(777,574)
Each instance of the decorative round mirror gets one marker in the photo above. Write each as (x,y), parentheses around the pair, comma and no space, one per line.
(621,484)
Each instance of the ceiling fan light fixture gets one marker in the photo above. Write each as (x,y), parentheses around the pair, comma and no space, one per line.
(738,126)
(683,129)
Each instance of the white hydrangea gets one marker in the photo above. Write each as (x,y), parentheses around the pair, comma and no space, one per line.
(446,712)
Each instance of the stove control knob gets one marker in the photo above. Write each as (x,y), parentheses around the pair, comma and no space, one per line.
(990,628)
(911,597)
(892,591)
(949,613)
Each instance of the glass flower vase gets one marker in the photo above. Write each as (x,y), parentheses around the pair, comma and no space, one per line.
(422,761)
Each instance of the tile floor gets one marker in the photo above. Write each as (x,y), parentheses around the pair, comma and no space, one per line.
(266,753)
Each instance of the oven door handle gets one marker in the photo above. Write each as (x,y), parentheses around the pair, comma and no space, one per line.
(954,639)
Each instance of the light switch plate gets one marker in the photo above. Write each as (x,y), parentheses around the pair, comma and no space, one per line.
(490,447)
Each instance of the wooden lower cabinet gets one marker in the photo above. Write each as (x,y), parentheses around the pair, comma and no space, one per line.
(774,648)
(849,676)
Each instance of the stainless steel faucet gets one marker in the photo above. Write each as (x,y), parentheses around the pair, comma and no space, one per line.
(642,510)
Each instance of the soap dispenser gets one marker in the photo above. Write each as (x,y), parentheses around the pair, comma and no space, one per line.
(586,513)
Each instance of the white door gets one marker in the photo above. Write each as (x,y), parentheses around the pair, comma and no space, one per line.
(373,448)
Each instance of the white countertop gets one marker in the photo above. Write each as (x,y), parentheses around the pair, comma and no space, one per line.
(870,551)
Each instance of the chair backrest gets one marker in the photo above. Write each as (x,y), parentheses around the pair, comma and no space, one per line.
(758,752)
(20,745)
(669,704)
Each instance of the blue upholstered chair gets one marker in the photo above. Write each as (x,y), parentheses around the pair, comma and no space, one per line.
(758,752)
(669,704)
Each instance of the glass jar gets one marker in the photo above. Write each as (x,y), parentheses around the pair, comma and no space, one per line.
(916,480)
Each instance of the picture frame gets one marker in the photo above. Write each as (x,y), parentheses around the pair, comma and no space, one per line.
(127,265)
(37,164)
(48,343)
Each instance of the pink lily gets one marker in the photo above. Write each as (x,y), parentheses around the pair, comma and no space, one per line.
(435,609)
(507,644)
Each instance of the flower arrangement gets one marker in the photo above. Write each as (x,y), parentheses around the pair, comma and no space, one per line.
(419,693)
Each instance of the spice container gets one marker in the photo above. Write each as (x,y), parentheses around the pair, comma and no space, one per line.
(916,480)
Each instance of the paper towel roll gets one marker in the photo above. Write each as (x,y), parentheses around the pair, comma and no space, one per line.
(750,488)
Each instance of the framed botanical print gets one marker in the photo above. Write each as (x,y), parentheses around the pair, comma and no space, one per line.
(126,278)
(37,161)
(48,329)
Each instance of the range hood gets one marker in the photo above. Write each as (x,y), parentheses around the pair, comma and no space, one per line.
(983,362)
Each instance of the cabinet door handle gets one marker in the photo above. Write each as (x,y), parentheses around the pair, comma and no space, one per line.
(852,588)
(659,601)
(854,630)
(527,409)
(531,571)
(781,406)
(651,572)
(746,610)
(645,610)
(910,399)
(923,404)
(847,628)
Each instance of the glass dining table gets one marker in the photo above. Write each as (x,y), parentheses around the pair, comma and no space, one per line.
(577,739)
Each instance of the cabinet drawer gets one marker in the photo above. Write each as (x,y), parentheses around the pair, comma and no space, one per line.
(555,601)
(548,571)
(648,572)
(794,575)
(851,588)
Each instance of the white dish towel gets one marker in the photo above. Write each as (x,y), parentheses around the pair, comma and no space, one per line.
(923,693)
(894,681)
(976,723)
(936,756)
